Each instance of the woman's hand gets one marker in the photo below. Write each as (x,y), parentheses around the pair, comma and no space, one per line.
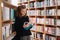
(26,25)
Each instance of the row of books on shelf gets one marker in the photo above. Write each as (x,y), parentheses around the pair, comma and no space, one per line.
(45,3)
(48,30)
(34,5)
(7,13)
(49,21)
(52,31)
(50,37)
(51,12)
(40,36)
(36,35)
(49,3)
(6,31)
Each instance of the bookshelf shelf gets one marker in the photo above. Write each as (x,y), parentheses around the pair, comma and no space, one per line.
(50,25)
(6,21)
(39,16)
(58,6)
(40,24)
(50,16)
(46,25)
(37,31)
(31,8)
(41,8)
(39,0)
(23,2)
(31,16)
(58,26)
(58,17)
(51,35)
(46,16)
(51,7)
(31,1)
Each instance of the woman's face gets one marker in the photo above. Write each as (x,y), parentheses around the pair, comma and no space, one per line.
(23,12)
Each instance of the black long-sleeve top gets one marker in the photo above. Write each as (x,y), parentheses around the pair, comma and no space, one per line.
(19,22)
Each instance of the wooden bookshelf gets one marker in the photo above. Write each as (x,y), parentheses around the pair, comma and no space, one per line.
(0,21)
(44,16)
(56,17)
(6,4)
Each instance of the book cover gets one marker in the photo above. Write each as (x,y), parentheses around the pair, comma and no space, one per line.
(5,13)
(12,14)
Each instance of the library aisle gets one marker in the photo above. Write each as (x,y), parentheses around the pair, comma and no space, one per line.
(45,14)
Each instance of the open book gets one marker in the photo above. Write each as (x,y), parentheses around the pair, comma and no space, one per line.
(27,25)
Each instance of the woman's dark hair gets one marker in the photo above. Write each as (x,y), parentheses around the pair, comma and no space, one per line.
(19,8)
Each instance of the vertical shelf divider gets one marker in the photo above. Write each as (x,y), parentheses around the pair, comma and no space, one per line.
(0,20)
(44,21)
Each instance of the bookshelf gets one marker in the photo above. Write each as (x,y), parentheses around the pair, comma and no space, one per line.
(7,11)
(46,16)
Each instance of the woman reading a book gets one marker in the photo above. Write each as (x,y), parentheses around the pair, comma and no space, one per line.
(22,22)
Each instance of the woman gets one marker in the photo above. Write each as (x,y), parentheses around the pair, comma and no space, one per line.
(20,19)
